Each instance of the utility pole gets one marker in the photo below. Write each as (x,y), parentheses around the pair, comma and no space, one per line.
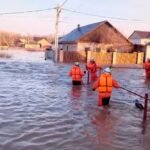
(58,11)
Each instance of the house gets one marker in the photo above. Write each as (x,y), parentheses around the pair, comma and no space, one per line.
(141,40)
(3,44)
(34,43)
(101,36)
(21,42)
(44,43)
(140,37)
(28,44)
(24,41)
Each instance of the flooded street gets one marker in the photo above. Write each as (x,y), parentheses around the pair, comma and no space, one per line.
(40,110)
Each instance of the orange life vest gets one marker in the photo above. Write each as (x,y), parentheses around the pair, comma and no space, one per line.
(92,67)
(76,74)
(105,83)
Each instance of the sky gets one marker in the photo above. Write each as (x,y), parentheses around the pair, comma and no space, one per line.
(125,15)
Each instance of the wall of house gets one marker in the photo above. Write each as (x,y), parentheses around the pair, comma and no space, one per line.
(68,47)
(32,46)
(145,41)
(94,46)
(140,41)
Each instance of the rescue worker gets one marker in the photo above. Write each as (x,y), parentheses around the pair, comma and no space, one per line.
(76,73)
(92,69)
(147,68)
(104,86)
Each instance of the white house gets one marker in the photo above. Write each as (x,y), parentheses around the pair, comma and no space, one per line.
(141,38)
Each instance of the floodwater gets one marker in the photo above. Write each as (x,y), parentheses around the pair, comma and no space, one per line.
(40,110)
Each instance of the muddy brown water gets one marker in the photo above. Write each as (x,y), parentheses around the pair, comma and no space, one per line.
(40,110)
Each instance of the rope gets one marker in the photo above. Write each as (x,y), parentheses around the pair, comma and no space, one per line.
(133,93)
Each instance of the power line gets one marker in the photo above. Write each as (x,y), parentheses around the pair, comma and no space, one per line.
(63,3)
(69,10)
(23,12)
(94,15)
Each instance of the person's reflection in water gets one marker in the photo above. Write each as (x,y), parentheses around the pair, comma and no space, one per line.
(76,99)
(104,122)
(76,92)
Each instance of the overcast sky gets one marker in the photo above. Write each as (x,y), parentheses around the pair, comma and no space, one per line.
(132,15)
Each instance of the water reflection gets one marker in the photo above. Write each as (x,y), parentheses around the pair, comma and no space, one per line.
(147,83)
(105,124)
(76,92)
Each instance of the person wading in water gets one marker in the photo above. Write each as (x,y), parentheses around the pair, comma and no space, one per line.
(104,86)
(92,69)
(76,73)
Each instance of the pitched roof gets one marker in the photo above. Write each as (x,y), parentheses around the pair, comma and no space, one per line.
(23,40)
(44,42)
(141,34)
(36,38)
(3,43)
(77,33)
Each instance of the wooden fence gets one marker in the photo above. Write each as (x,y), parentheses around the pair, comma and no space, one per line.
(125,58)
(72,56)
(102,57)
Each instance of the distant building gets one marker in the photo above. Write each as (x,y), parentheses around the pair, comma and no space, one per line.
(140,37)
(101,36)
(35,43)
(3,44)
(24,41)
(44,43)
(21,42)
(141,41)
(32,45)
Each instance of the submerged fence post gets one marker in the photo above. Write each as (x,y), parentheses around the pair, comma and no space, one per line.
(86,54)
(145,107)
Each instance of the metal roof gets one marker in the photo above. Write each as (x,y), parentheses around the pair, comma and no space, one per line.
(77,33)
(141,34)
